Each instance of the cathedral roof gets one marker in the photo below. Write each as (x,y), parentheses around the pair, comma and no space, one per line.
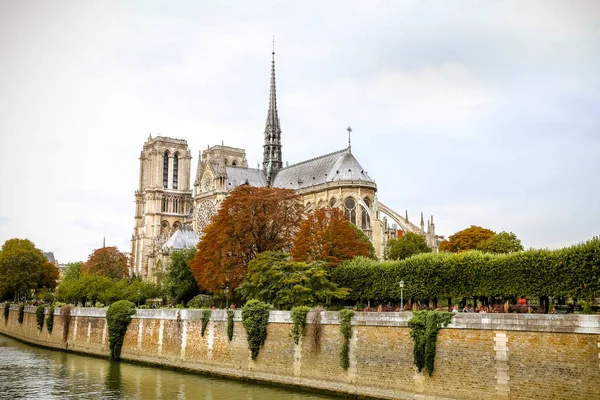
(182,239)
(237,176)
(338,166)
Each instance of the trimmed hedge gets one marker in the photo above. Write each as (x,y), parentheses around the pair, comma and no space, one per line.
(570,272)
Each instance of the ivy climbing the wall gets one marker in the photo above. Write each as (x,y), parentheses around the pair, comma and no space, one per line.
(6,311)
(230,314)
(39,316)
(118,317)
(346,329)
(65,318)
(299,317)
(205,320)
(21,313)
(255,317)
(425,326)
(50,319)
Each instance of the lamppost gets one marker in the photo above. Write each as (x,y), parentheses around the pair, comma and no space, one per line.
(401,295)
(227,296)
(138,298)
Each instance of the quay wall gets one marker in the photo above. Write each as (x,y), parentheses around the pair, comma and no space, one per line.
(479,356)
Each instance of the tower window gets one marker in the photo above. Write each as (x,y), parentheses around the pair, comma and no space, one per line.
(350,209)
(175,169)
(166,170)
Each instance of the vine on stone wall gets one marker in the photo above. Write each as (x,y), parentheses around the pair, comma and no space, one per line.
(21,313)
(425,326)
(298,315)
(230,314)
(39,316)
(50,319)
(255,317)
(346,329)
(205,320)
(6,312)
(118,317)
(65,318)
(316,328)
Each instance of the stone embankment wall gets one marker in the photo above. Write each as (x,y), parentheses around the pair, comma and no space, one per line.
(479,356)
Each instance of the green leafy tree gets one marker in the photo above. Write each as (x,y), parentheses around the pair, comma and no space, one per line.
(274,278)
(467,239)
(48,276)
(503,242)
(72,271)
(179,282)
(20,267)
(365,239)
(408,245)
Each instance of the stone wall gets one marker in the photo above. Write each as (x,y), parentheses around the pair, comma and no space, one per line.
(479,356)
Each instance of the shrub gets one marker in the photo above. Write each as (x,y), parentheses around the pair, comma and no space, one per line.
(425,326)
(6,312)
(205,320)
(65,318)
(21,314)
(118,317)
(346,329)
(255,317)
(39,316)
(230,314)
(50,319)
(299,317)
(587,308)
(201,301)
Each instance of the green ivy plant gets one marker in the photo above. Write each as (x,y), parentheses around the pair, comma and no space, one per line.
(205,320)
(39,316)
(346,329)
(65,318)
(425,326)
(50,319)
(118,317)
(255,317)
(6,312)
(298,315)
(230,314)
(21,313)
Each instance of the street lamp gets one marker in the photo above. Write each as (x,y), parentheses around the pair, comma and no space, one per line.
(227,296)
(401,295)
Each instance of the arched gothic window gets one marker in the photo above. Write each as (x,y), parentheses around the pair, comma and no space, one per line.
(332,202)
(176,205)
(366,220)
(164,228)
(175,226)
(164,205)
(166,170)
(175,170)
(350,209)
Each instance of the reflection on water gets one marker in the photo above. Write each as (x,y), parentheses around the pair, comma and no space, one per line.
(28,372)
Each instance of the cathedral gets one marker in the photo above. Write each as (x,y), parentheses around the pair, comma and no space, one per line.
(170,215)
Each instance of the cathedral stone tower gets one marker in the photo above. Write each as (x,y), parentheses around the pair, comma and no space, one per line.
(272,160)
(162,202)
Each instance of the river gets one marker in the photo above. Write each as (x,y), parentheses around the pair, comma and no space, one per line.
(28,372)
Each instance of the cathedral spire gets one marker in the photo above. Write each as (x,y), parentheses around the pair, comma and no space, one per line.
(272,147)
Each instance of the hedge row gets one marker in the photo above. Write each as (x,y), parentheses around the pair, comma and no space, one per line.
(570,272)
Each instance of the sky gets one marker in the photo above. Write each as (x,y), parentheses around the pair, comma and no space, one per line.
(477,112)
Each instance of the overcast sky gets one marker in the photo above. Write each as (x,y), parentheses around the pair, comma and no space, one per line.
(478,112)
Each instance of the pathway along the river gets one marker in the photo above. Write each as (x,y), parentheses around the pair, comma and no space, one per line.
(28,372)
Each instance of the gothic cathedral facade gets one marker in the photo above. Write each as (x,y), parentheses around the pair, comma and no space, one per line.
(165,203)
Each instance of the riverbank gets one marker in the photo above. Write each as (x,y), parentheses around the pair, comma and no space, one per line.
(479,356)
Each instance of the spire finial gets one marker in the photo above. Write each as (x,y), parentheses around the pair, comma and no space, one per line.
(349,138)
(273,46)
(104,241)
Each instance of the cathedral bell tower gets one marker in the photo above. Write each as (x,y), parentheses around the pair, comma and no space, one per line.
(272,160)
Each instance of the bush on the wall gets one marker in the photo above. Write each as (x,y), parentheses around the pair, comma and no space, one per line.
(298,315)
(205,320)
(346,330)
(255,317)
(50,319)
(230,314)
(21,314)
(425,326)
(6,311)
(118,317)
(39,316)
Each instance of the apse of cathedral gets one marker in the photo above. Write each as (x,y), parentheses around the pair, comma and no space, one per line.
(170,214)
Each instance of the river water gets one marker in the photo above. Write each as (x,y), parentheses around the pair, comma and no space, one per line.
(28,372)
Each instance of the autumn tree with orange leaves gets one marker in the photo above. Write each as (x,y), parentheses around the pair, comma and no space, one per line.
(327,235)
(107,261)
(250,221)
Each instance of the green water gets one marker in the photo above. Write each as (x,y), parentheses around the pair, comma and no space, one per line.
(28,372)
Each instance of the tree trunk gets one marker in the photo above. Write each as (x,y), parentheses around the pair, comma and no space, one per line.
(449,303)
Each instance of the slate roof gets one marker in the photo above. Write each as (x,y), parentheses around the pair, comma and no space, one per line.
(338,166)
(50,256)
(183,239)
(237,176)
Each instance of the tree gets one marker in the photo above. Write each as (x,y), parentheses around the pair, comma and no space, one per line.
(48,276)
(503,242)
(327,235)
(274,278)
(179,282)
(467,239)
(408,245)
(364,238)
(20,267)
(107,261)
(72,271)
(250,221)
